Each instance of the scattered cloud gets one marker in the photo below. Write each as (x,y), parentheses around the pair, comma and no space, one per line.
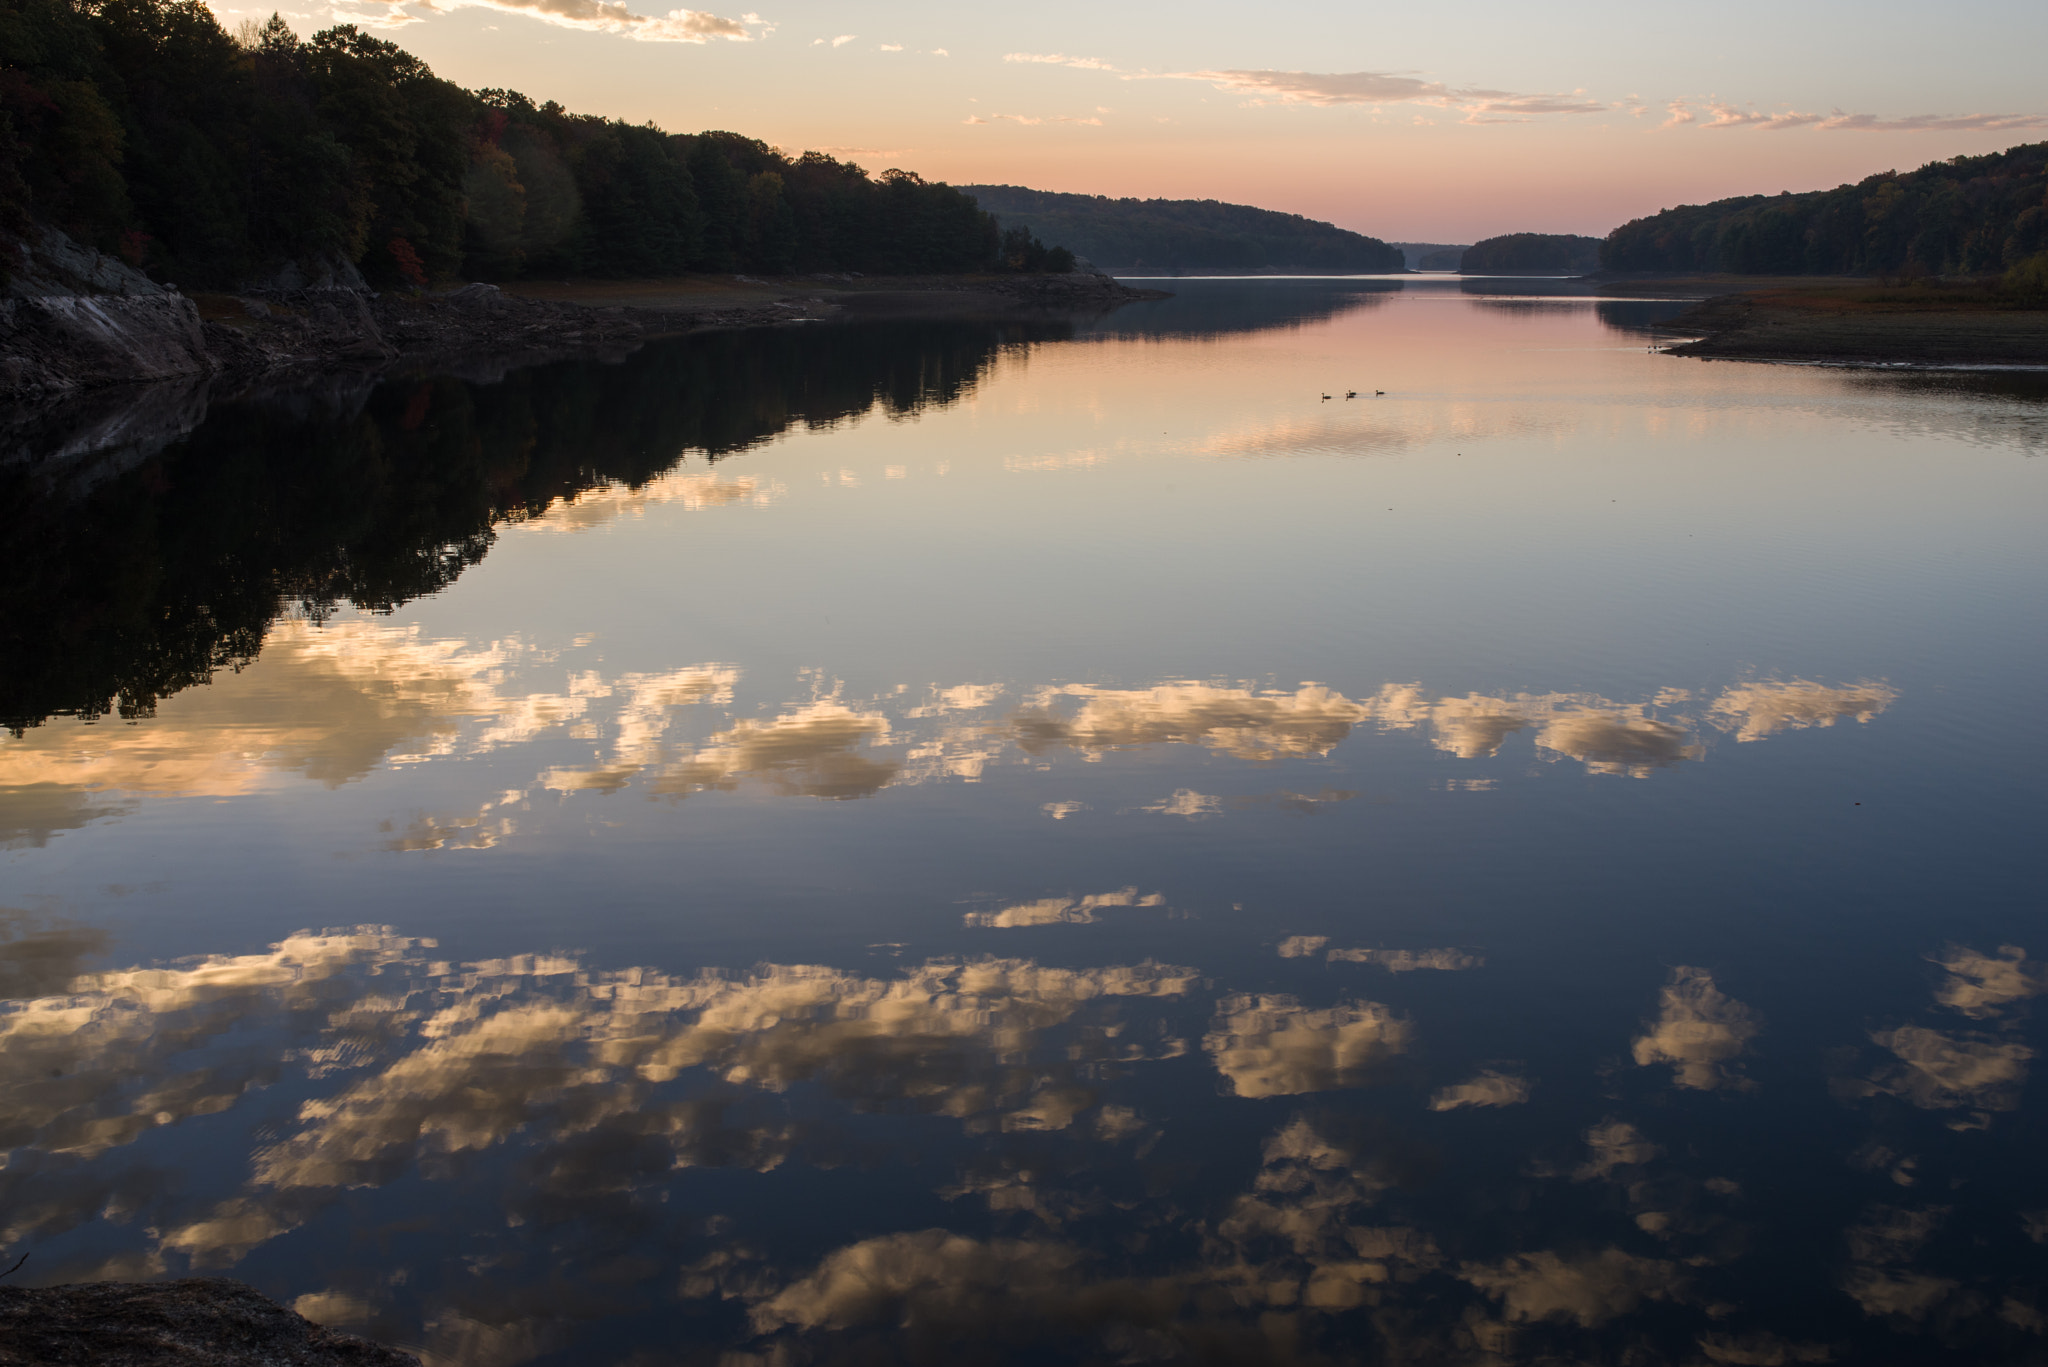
(1056,911)
(1762,1346)
(481,831)
(1588,1291)
(1756,710)
(892,47)
(1296,804)
(1501,106)
(1480,105)
(922,1275)
(1308,87)
(1302,946)
(1981,985)
(1700,1032)
(843,39)
(838,151)
(1408,960)
(1938,1072)
(1490,1088)
(692,492)
(1033,120)
(1934,123)
(1614,1144)
(1232,721)
(1186,802)
(1720,114)
(1619,743)
(1275,1046)
(594,16)
(812,752)
(1060,59)
(1907,1294)
(1354,87)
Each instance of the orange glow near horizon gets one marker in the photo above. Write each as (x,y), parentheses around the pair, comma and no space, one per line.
(1198,114)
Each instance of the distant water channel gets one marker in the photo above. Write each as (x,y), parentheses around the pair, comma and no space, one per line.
(1046,843)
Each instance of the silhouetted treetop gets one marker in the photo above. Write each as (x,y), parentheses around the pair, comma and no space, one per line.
(1185,234)
(1968,215)
(145,129)
(1532,254)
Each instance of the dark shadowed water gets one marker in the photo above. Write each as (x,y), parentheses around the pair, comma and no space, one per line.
(1057,843)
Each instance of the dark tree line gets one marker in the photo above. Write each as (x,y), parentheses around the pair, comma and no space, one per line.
(1531,254)
(145,129)
(1967,216)
(1187,234)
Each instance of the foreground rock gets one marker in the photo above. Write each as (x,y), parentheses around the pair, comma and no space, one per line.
(199,1322)
(1818,326)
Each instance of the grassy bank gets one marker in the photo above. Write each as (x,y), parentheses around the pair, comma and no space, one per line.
(1871,322)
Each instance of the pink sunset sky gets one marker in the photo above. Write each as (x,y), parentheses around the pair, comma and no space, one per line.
(1429,124)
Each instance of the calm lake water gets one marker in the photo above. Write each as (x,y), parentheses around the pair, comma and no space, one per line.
(1047,842)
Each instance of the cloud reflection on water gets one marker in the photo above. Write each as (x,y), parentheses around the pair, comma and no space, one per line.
(570,1099)
(1700,1033)
(334,703)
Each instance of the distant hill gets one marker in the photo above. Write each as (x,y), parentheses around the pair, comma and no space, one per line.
(1969,215)
(1430,256)
(1532,254)
(1184,234)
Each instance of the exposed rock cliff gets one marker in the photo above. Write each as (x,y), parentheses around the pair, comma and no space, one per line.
(73,318)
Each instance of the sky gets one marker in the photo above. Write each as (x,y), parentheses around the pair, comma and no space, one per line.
(1417,123)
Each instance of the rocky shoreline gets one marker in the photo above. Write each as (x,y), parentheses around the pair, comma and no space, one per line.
(1819,329)
(193,1322)
(75,320)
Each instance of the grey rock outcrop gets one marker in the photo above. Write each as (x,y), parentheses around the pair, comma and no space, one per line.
(333,327)
(196,1322)
(58,343)
(323,271)
(73,318)
(47,264)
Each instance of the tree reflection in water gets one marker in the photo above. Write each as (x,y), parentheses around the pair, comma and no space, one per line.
(166,558)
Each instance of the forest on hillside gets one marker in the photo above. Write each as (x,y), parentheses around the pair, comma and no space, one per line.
(145,129)
(1965,216)
(1532,254)
(1185,234)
